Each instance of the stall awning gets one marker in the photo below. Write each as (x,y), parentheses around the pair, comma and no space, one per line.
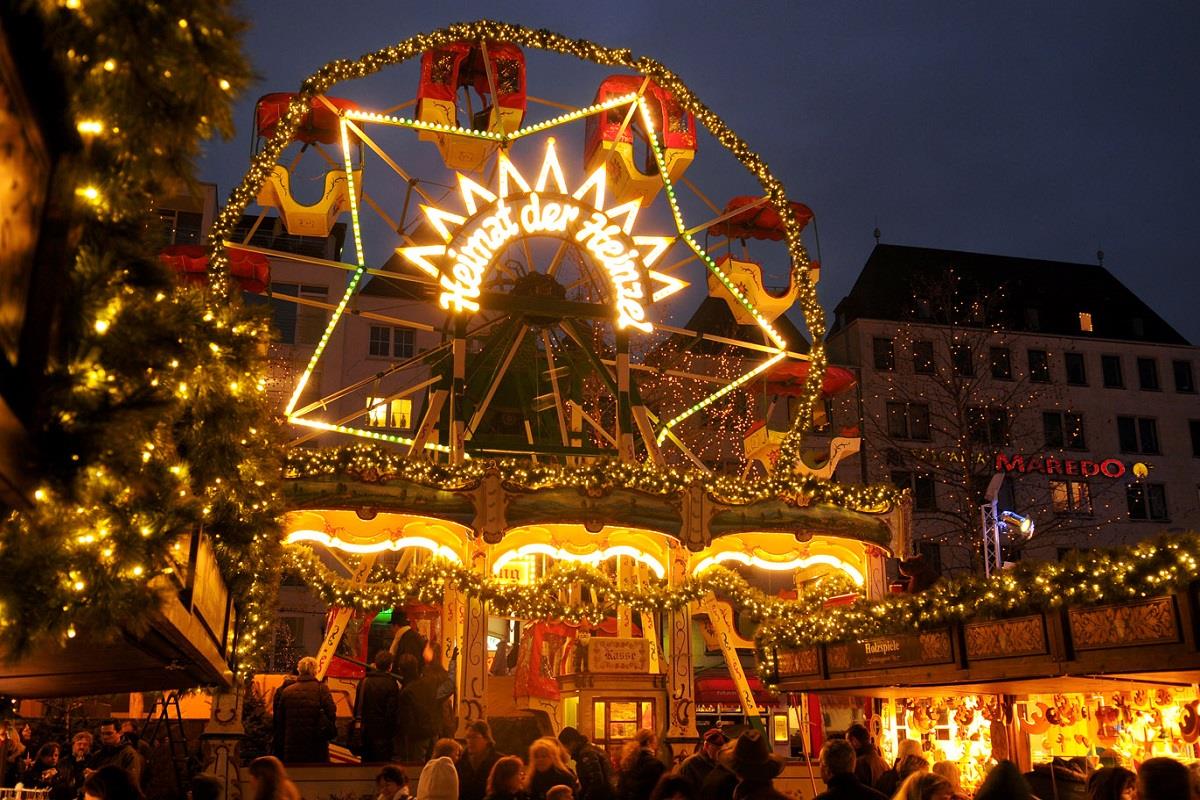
(720,691)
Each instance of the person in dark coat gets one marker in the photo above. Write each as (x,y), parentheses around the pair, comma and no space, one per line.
(419,700)
(695,768)
(277,718)
(721,782)
(115,751)
(376,706)
(307,716)
(868,764)
(407,640)
(44,773)
(1163,778)
(640,767)
(1064,779)
(547,769)
(756,768)
(592,765)
(839,771)
(475,764)
(72,767)
(1004,782)
(505,781)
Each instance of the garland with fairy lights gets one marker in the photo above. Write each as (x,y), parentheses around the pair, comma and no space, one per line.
(487,30)
(547,598)
(157,422)
(371,464)
(1148,569)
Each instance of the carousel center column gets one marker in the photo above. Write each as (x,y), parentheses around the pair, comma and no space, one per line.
(471,636)
(681,690)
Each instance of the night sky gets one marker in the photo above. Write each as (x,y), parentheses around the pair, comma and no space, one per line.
(1025,129)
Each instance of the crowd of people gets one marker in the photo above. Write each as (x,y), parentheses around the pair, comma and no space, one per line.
(570,767)
(112,764)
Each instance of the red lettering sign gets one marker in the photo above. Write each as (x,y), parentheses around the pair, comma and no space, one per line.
(1050,465)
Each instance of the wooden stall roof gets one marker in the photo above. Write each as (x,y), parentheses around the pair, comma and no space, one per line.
(1082,648)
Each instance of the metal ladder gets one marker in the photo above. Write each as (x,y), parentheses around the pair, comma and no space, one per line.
(165,717)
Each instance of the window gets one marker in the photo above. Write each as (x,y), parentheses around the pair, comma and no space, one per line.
(1085,321)
(1063,430)
(381,341)
(1183,376)
(1137,435)
(1039,366)
(1071,498)
(1001,363)
(1146,501)
(931,554)
(922,352)
(1076,369)
(885,355)
(393,342)
(963,359)
(908,421)
(384,413)
(180,227)
(1147,374)
(1194,430)
(1032,322)
(924,496)
(298,324)
(987,425)
(1111,367)
(403,342)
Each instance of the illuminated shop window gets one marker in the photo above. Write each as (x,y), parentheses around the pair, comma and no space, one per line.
(616,721)
(384,413)
(1071,497)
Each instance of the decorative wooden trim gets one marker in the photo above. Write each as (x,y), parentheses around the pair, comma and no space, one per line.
(1006,638)
(1154,621)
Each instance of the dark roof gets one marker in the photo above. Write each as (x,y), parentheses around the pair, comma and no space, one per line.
(714,316)
(1021,294)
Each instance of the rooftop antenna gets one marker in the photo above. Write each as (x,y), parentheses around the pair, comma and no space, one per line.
(877,234)
(1100,257)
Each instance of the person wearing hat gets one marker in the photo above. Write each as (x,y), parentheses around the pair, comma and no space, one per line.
(756,768)
(439,778)
(695,768)
(592,765)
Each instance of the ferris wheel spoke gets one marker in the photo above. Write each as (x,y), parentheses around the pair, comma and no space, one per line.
(496,379)
(560,412)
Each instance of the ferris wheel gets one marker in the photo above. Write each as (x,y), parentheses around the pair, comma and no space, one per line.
(548,244)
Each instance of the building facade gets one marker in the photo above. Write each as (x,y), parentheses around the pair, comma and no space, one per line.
(1053,374)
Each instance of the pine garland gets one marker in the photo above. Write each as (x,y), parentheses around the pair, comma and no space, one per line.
(157,420)
(546,598)
(1149,569)
(370,463)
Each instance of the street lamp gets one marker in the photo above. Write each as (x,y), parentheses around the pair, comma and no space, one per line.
(994,522)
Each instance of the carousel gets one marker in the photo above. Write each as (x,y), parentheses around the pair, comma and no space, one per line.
(582,504)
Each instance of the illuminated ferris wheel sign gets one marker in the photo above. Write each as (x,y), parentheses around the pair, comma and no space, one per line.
(492,221)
